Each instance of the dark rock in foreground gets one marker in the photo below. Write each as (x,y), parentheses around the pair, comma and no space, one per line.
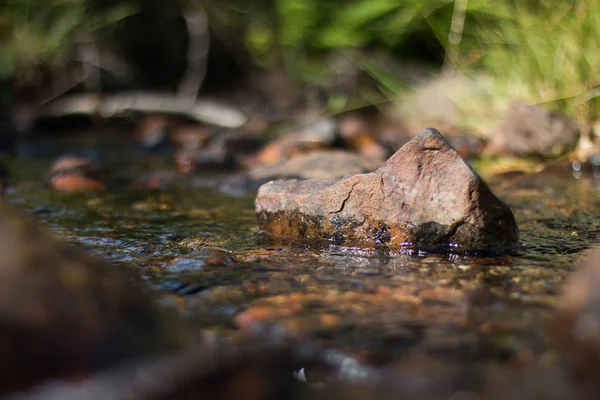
(66,314)
(424,195)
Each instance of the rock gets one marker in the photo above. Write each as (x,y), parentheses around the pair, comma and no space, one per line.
(66,314)
(324,164)
(316,135)
(71,174)
(532,131)
(576,325)
(199,259)
(152,130)
(357,135)
(465,143)
(424,195)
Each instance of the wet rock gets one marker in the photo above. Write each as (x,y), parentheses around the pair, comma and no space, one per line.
(532,131)
(66,314)
(322,164)
(200,259)
(71,174)
(424,195)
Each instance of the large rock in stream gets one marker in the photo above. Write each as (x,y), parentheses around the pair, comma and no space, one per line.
(424,196)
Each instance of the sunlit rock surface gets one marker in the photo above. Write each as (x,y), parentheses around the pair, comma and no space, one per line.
(425,195)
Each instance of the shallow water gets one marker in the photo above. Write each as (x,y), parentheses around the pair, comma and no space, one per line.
(383,308)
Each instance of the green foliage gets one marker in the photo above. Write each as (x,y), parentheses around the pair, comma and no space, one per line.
(547,51)
(544,51)
(334,24)
(550,47)
(43,31)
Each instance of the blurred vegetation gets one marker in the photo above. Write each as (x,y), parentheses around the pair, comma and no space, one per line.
(541,51)
(34,32)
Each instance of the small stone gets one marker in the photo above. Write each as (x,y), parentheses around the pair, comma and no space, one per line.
(425,195)
(185,264)
(199,259)
(71,174)
(532,131)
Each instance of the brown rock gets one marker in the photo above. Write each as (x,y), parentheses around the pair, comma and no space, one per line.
(424,195)
(65,314)
(357,135)
(323,164)
(466,143)
(71,174)
(316,135)
(200,259)
(532,131)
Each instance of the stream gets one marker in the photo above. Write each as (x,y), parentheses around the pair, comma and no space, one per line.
(202,252)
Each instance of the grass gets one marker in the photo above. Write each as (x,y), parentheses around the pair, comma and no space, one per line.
(538,51)
(544,52)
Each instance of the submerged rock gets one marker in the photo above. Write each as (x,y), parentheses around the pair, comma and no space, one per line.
(425,195)
(533,131)
(199,259)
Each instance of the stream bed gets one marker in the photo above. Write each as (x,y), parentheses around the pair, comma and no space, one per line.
(202,252)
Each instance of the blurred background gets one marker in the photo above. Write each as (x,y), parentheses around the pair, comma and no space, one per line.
(143,104)
(277,58)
